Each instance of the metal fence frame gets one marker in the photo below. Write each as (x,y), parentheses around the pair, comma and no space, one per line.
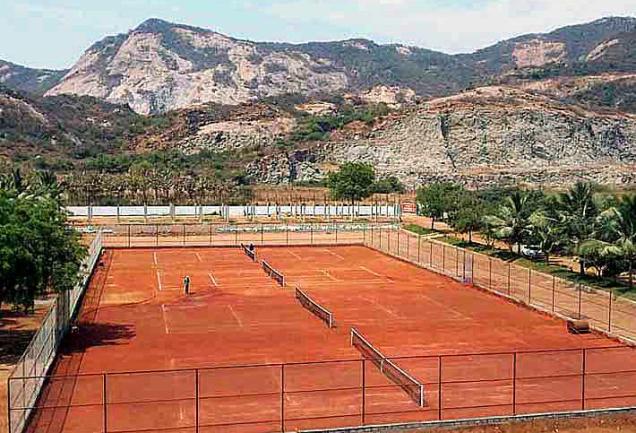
(515,375)
(606,312)
(42,349)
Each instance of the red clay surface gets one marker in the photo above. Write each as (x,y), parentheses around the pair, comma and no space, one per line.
(135,318)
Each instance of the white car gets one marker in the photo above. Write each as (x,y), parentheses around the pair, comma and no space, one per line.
(531,252)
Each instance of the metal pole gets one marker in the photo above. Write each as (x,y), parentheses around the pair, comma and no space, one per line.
(282,398)
(311,231)
(514,383)
(128,235)
(210,235)
(419,248)
(584,360)
(439,388)
(444,258)
(609,313)
(529,286)
(196,400)
(580,294)
(156,235)
(287,234)
(336,233)
(105,402)
(398,242)
(490,271)
(553,293)
(364,391)
(184,233)
(509,288)
(262,235)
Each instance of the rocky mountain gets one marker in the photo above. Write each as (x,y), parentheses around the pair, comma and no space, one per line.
(29,80)
(160,66)
(487,135)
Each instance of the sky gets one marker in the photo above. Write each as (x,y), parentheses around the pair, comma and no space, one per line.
(54,33)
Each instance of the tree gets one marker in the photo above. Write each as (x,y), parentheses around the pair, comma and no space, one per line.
(354,181)
(546,232)
(510,224)
(580,212)
(618,225)
(599,255)
(387,185)
(469,214)
(38,252)
(438,199)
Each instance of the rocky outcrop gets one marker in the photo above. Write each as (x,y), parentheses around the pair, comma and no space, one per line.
(494,134)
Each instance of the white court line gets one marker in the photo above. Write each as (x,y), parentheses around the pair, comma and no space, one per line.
(364,268)
(335,254)
(238,320)
(199,257)
(295,255)
(213,279)
(154,258)
(382,307)
(165,319)
(159,280)
(331,277)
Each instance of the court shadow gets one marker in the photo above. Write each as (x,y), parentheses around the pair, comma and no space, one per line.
(87,335)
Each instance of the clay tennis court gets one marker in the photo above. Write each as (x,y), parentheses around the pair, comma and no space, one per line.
(241,354)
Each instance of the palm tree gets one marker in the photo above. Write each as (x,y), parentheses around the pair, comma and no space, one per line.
(579,212)
(510,223)
(546,230)
(619,226)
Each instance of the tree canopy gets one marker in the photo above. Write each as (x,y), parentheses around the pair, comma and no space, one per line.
(353,182)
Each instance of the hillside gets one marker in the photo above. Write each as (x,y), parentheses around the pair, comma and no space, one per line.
(160,66)
(37,81)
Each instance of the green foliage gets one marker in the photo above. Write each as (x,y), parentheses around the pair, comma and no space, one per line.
(511,221)
(354,181)
(388,185)
(469,213)
(438,199)
(38,252)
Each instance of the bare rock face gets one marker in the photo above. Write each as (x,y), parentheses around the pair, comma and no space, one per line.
(538,53)
(159,67)
(495,134)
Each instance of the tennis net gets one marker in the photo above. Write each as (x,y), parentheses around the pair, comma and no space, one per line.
(318,310)
(250,253)
(273,273)
(410,385)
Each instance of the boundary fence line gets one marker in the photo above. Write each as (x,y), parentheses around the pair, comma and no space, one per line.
(607,313)
(458,387)
(25,381)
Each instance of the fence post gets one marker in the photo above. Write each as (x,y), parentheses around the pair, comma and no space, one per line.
(156,235)
(580,298)
(609,313)
(419,248)
(583,369)
(287,234)
(364,391)
(210,234)
(444,258)
(430,257)
(553,293)
(311,231)
(509,287)
(398,242)
(196,400)
(514,383)
(105,402)
(128,235)
(336,233)
(529,286)
(490,272)
(282,398)
(262,235)
(439,388)
(184,233)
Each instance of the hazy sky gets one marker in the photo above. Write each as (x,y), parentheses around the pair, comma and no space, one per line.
(54,33)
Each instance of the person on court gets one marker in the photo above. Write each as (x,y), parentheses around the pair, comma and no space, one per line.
(186,284)
(251,247)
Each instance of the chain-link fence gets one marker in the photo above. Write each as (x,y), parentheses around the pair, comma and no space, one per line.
(605,311)
(341,393)
(167,235)
(26,380)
